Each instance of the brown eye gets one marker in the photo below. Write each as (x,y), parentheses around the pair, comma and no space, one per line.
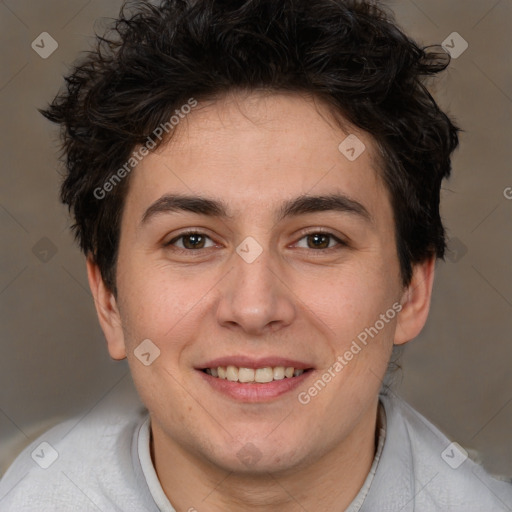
(190,241)
(319,241)
(193,241)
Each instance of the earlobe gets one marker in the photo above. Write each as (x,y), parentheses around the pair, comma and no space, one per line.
(107,311)
(415,302)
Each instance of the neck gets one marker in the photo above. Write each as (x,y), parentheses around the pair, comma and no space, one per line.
(328,482)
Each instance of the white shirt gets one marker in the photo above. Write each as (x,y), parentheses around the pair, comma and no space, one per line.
(104,464)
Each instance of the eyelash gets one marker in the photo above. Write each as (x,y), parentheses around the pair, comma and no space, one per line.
(340,243)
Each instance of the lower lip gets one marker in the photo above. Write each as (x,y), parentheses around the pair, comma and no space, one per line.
(255,392)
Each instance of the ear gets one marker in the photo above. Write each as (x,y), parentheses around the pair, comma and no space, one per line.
(107,310)
(415,302)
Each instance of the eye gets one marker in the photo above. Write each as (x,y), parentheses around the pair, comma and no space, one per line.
(191,241)
(195,240)
(320,240)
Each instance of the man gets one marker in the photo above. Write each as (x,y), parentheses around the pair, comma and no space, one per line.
(256,188)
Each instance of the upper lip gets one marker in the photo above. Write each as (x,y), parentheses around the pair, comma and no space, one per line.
(251,362)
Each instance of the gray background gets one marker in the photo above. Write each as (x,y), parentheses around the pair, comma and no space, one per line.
(54,361)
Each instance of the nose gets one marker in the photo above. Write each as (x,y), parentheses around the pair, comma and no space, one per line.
(255,297)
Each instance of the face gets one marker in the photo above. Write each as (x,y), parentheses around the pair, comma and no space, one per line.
(284,258)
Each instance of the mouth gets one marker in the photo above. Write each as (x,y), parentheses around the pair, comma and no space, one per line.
(254,375)
(249,380)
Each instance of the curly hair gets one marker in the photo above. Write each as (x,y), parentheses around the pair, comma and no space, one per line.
(348,53)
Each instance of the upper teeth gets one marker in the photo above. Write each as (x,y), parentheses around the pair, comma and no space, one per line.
(262,375)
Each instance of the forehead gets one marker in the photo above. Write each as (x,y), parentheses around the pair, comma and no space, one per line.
(254,150)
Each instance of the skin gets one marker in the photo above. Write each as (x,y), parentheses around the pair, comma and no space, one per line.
(254,152)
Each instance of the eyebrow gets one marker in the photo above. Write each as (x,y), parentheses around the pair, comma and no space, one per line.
(294,207)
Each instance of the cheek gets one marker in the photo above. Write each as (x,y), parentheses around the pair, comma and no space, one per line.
(156,302)
(349,300)
(163,309)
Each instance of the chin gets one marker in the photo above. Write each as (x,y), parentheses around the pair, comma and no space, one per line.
(258,457)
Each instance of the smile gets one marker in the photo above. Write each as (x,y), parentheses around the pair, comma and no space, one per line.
(254,375)
(265,389)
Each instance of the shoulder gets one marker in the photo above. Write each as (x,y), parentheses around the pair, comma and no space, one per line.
(80,464)
(437,471)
